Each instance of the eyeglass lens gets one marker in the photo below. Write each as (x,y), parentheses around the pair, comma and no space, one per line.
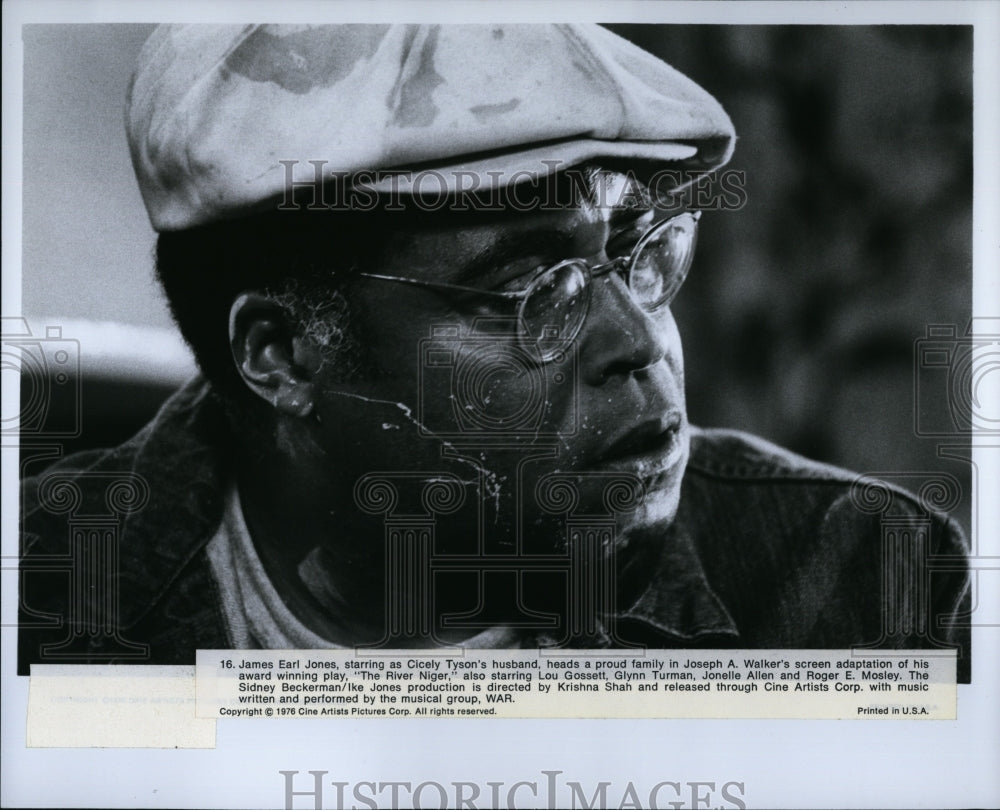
(556,306)
(557,302)
(662,261)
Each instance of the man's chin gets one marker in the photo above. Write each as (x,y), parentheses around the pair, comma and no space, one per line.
(658,509)
(643,515)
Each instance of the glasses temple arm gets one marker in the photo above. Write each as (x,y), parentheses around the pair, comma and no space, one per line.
(440,285)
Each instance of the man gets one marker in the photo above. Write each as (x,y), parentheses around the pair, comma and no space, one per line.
(427,272)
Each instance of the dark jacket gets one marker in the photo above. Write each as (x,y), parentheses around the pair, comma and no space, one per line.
(769,550)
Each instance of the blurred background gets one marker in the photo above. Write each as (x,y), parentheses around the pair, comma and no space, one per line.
(801,315)
(800,318)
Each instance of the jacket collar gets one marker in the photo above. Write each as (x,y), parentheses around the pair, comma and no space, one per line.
(677,600)
(178,456)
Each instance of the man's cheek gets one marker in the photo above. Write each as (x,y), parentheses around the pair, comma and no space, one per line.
(672,339)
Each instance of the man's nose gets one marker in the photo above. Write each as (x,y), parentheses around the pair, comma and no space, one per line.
(618,336)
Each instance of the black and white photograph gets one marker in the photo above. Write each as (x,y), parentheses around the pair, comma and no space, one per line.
(420,331)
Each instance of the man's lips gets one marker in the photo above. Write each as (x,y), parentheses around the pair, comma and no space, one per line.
(646,448)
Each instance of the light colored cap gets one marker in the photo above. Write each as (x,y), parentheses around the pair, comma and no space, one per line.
(225,120)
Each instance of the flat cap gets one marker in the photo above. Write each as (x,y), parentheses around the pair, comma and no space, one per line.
(225,120)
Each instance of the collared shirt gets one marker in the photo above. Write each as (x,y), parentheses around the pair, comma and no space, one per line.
(768,550)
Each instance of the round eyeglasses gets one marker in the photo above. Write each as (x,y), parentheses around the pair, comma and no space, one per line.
(552,308)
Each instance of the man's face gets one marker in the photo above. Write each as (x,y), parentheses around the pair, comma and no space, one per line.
(455,395)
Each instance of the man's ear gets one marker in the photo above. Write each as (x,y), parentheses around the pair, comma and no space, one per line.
(277,366)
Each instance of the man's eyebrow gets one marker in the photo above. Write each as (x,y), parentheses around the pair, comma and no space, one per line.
(508,247)
(626,214)
(627,201)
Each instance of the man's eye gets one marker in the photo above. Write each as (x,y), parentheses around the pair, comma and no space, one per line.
(519,281)
(623,242)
